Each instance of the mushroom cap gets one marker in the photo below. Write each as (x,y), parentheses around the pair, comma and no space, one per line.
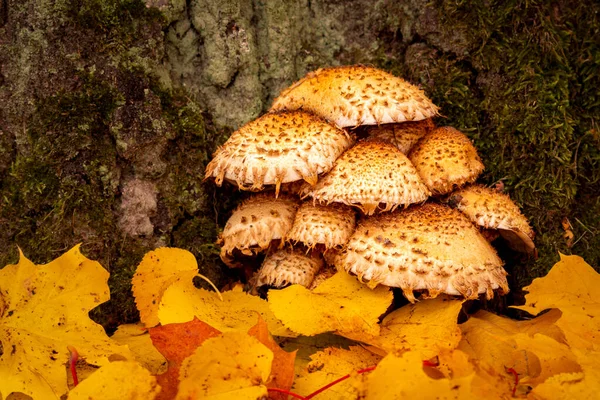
(427,247)
(287,267)
(278,148)
(368,174)
(403,135)
(356,95)
(256,222)
(491,209)
(316,224)
(446,159)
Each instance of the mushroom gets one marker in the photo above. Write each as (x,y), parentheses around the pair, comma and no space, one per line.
(356,95)
(278,148)
(446,159)
(328,226)
(287,267)
(403,135)
(368,175)
(427,247)
(255,223)
(493,210)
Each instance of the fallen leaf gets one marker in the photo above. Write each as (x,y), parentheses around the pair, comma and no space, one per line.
(44,309)
(177,342)
(119,380)
(158,270)
(331,364)
(233,365)
(182,302)
(282,369)
(137,338)
(339,304)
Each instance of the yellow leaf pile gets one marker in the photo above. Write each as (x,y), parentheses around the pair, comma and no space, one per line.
(219,346)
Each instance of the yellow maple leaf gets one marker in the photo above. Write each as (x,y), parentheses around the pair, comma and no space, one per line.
(330,364)
(158,270)
(404,378)
(119,380)
(137,338)
(233,365)
(572,287)
(44,309)
(340,304)
(182,301)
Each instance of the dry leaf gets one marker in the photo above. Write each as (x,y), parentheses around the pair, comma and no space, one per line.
(44,309)
(182,302)
(137,338)
(157,271)
(340,304)
(282,369)
(177,342)
(119,380)
(233,365)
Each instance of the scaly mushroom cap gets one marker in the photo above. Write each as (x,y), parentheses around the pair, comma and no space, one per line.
(404,135)
(446,159)
(356,95)
(278,148)
(316,224)
(428,247)
(287,267)
(255,223)
(368,174)
(493,210)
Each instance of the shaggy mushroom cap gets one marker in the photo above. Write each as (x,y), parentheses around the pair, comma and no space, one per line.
(493,210)
(369,174)
(316,224)
(404,135)
(356,95)
(428,247)
(278,148)
(446,159)
(256,222)
(287,267)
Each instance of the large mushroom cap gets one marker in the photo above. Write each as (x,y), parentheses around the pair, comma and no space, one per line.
(404,135)
(330,226)
(369,174)
(446,159)
(356,95)
(429,247)
(493,210)
(278,148)
(287,267)
(255,223)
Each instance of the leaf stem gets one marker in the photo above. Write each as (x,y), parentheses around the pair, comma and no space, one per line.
(516,375)
(296,395)
(73,357)
(343,378)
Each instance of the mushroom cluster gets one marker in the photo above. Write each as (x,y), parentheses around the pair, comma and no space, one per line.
(355,176)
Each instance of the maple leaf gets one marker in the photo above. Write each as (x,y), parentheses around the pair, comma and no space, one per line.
(233,365)
(44,309)
(340,304)
(572,287)
(282,369)
(119,380)
(158,270)
(137,338)
(177,342)
(333,363)
(236,310)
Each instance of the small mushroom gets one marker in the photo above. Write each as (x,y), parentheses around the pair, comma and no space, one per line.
(316,224)
(446,159)
(356,95)
(278,148)
(491,209)
(287,267)
(427,247)
(369,175)
(403,135)
(255,223)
